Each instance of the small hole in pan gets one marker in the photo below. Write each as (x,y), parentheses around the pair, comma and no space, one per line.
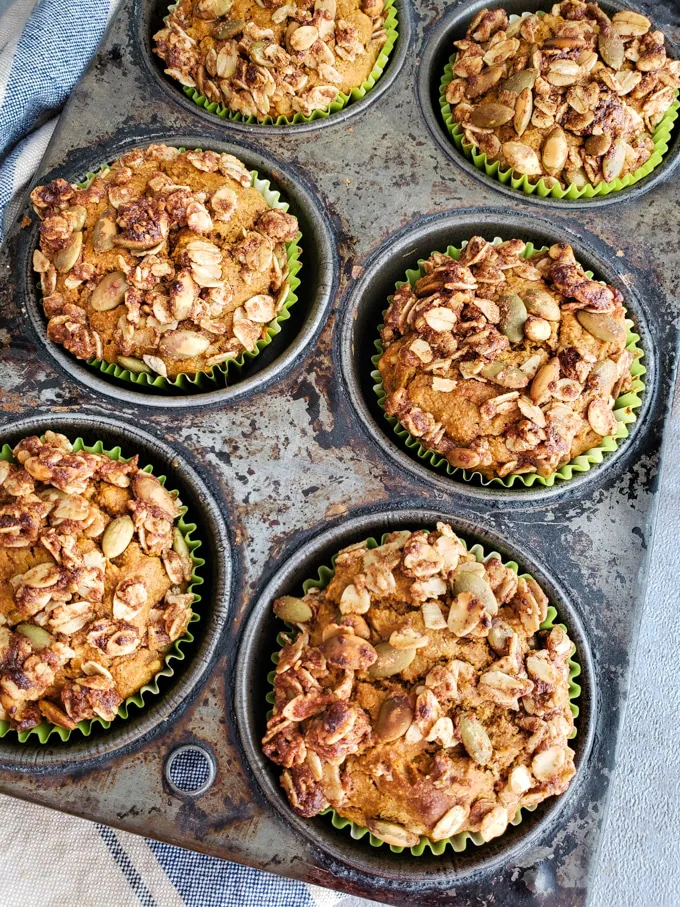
(362,314)
(436,55)
(190,770)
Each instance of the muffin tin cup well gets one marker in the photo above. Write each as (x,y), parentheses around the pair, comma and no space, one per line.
(199,656)
(149,19)
(362,314)
(436,57)
(317,278)
(251,687)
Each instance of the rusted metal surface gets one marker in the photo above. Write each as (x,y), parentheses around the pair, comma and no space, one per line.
(296,459)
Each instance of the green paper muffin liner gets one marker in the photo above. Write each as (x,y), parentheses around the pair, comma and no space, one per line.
(457,842)
(661,138)
(218,375)
(43,731)
(624,408)
(342,100)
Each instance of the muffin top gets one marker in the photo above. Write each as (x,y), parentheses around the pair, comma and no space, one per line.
(419,696)
(169,262)
(93,582)
(503,364)
(571,95)
(272,58)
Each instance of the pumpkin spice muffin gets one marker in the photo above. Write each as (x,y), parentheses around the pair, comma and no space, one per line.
(572,95)
(275,58)
(169,262)
(419,696)
(502,364)
(93,582)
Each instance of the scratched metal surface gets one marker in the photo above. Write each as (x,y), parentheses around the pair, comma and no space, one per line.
(298,450)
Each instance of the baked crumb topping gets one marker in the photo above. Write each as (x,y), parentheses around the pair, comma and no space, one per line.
(419,695)
(169,263)
(573,95)
(274,58)
(93,582)
(503,364)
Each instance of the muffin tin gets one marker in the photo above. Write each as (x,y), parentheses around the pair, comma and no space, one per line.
(293,460)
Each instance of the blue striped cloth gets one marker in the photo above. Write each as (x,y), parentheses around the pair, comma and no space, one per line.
(39,65)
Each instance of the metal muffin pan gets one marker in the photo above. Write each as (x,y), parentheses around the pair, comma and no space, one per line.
(362,315)
(306,316)
(438,53)
(291,458)
(259,638)
(175,692)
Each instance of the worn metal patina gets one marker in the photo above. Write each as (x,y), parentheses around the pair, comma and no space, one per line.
(295,459)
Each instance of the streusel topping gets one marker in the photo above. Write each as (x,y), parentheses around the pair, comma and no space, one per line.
(571,95)
(170,262)
(93,582)
(503,364)
(274,58)
(419,695)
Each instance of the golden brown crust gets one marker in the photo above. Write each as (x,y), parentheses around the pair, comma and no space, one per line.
(167,263)
(419,696)
(93,580)
(571,96)
(505,365)
(276,58)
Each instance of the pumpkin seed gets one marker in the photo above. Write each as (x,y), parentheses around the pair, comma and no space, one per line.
(475,740)
(104,231)
(513,317)
(602,326)
(76,216)
(230,28)
(294,610)
(613,161)
(391,833)
(522,158)
(39,638)
(183,344)
(545,376)
(505,375)
(68,256)
(479,85)
(555,149)
(523,110)
(449,823)
(136,366)
(520,81)
(489,116)
(597,145)
(394,718)
(468,581)
(603,377)
(390,661)
(117,536)
(541,303)
(611,47)
(109,292)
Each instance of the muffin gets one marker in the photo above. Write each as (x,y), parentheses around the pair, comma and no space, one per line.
(169,262)
(572,96)
(275,58)
(505,365)
(94,582)
(419,696)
